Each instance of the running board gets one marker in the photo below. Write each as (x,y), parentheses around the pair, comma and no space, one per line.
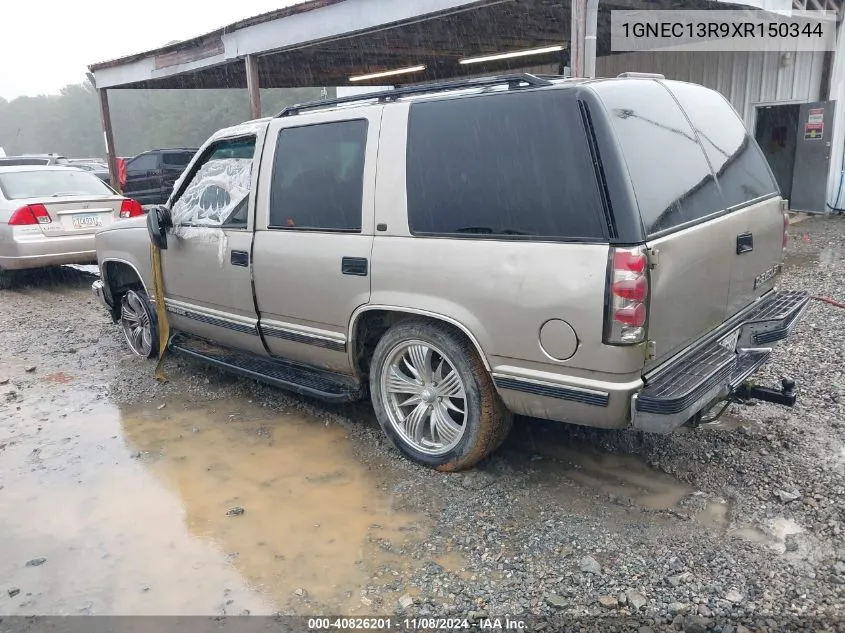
(301,379)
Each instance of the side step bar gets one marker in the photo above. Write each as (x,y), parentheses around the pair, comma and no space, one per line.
(302,379)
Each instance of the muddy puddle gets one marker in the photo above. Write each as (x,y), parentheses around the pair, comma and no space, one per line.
(625,478)
(223,508)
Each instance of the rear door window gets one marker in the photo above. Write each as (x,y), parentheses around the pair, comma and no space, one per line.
(740,167)
(505,166)
(669,172)
(318,177)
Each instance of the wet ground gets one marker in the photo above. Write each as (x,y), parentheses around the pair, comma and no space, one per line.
(215,495)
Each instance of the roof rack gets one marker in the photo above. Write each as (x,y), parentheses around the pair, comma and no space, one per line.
(513,82)
(640,75)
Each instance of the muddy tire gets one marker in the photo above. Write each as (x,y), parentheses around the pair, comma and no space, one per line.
(7,279)
(433,397)
(138,321)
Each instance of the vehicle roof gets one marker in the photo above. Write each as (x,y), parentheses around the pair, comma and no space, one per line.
(555,82)
(168,149)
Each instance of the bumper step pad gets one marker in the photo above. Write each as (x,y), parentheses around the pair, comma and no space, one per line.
(774,320)
(679,387)
(301,379)
(714,370)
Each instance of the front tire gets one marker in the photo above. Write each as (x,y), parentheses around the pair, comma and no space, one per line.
(433,397)
(138,322)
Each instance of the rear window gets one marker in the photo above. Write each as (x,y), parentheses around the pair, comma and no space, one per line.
(511,165)
(16,162)
(672,180)
(46,183)
(740,167)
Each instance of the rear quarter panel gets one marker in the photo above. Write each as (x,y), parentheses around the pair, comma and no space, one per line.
(501,291)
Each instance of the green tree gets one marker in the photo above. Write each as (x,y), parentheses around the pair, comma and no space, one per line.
(69,123)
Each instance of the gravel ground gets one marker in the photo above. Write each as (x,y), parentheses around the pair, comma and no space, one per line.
(730,526)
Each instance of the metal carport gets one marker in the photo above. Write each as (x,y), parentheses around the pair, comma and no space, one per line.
(325,42)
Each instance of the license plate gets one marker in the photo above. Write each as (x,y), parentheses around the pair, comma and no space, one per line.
(87,221)
(729,342)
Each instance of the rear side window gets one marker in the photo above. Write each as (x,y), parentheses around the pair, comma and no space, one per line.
(144,162)
(318,177)
(506,165)
(670,175)
(179,159)
(740,167)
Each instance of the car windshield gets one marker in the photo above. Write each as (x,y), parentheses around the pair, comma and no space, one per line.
(46,183)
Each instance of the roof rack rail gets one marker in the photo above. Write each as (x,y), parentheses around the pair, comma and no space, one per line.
(384,96)
(641,75)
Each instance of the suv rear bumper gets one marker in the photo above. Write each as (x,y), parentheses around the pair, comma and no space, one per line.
(702,375)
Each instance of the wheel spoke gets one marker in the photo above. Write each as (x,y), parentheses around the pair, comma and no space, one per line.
(451,406)
(443,426)
(420,356)
(437,376)
(451,386)
(147,340)
(127,315)
(415,421)
(400,383)
(415,399)
(137,333)
(135,302)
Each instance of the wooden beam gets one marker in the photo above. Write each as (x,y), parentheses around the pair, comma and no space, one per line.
(108,135)
(252,86)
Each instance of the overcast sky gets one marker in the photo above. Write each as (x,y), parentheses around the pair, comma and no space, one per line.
(47,44)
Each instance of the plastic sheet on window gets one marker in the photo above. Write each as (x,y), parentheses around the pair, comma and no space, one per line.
(214,193)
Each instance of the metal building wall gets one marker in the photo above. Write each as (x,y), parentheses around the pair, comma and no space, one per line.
(745,78)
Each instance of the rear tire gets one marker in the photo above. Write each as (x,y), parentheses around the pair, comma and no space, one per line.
(7,279)
(433,397)
(138,322)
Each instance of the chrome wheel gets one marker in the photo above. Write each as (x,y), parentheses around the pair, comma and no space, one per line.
(424,397)
(135,321)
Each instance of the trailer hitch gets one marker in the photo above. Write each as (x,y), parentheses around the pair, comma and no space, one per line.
(784,396)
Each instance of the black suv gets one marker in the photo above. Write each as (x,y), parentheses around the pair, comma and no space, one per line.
(150,176)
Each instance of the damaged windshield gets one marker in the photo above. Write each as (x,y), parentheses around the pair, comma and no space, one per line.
(217,194)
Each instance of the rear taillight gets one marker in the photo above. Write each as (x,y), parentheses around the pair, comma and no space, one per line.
(130,208)
(785,230)
(627,297)
(30,214)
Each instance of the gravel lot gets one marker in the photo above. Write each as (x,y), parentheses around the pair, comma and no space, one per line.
(735,525)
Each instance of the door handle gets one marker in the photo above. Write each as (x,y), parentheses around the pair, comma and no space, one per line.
(357,266)
(240,258)
(744,243)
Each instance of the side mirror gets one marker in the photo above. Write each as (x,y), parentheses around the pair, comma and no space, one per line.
(158,221)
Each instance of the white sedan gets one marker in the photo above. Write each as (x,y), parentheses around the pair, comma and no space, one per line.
(49,215)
